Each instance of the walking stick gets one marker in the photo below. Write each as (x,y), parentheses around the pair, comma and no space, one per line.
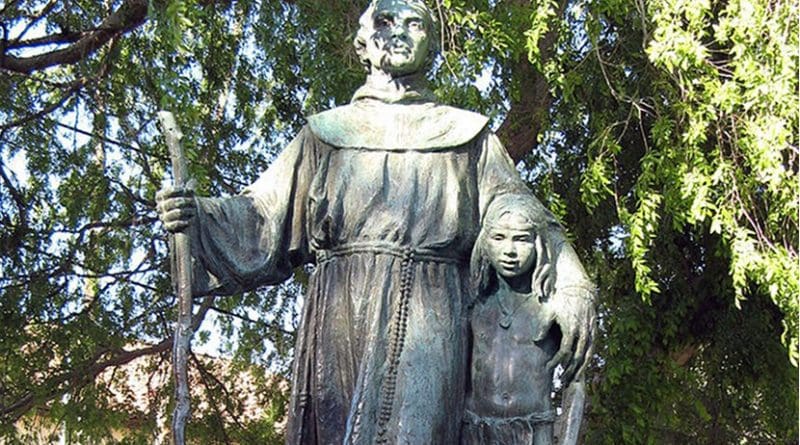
(577,398)
(574,413)
(182,281)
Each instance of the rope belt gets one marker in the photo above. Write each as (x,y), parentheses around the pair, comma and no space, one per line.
(535,418)
(398,324)
(418,254)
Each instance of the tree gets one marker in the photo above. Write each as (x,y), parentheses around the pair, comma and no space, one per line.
(664,135)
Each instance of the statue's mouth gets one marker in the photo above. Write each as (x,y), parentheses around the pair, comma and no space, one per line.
(399,49)
(509,265)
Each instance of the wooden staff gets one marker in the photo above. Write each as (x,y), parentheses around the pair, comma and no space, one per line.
(574,413)
(182,282)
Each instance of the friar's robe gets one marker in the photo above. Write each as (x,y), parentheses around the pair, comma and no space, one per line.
(386,200)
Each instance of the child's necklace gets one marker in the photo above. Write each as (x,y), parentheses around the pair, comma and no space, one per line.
(508,315)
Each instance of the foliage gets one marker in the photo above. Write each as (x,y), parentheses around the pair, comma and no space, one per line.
(681,120)
(663,133)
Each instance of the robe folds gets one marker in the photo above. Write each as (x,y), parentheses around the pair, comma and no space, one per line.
(386,201)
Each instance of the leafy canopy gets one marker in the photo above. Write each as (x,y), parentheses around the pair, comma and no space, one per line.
(662,133)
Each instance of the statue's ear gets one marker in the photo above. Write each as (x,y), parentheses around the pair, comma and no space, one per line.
(363,33)
(360,44)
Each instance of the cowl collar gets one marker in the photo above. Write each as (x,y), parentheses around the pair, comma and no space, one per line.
(412,88)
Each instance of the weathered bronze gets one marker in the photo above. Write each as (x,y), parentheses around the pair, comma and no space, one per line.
(513,337)
(385,196)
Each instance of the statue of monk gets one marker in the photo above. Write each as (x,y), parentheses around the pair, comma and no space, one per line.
(384,197)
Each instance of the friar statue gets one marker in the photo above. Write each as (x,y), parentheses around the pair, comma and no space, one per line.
(384,197)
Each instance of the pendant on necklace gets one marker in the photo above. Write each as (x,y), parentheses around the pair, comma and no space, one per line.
(507,316)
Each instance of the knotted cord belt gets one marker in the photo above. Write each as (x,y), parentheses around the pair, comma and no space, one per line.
(532,419)
(399,324)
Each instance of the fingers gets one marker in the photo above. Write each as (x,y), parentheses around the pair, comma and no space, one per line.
(178,214)
(557,359)
(583,342)
(177,220)
(176,207)
(167,205)
(173,192)
(583,351)
(544,327)
(575,363)
(176,226)
(580,374)
(564,354)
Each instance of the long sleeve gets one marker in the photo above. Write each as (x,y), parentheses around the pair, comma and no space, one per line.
(257,237)
(497,176)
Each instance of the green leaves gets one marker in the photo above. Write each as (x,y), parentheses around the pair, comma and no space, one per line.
(669,151)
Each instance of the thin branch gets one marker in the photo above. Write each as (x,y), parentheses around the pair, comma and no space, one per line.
(46,110)
(16,195)
(528,115)
(250,320)
(442,26)
(98,136)
(7,6)
(54,39)
(124,224)
(132,195)
(204,376)
(79,377)
(36,18)
(130,15)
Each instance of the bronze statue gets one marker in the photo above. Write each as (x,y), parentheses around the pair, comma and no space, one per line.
(385,197)
(513,342)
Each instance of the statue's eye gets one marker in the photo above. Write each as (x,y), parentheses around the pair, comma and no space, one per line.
(415,25)
(382,22)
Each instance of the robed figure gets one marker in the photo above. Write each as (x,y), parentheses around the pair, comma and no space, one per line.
(385,197)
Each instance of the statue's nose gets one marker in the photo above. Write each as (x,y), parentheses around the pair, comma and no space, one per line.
(510,250)
(398,30)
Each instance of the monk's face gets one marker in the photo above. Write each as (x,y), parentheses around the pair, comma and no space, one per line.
(510,245)
(399,44)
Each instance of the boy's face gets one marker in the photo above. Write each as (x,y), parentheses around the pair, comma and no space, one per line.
(510,245)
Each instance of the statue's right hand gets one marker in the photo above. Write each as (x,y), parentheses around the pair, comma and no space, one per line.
(176,207)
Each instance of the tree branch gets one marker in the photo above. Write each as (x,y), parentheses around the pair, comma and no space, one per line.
(46,110)
(54,39)
(528,115)
(80,377)
(35,19)
(130,14)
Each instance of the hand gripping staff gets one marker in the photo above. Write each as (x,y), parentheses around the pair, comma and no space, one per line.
(182,282)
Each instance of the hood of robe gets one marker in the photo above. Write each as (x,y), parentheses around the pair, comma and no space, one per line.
(396,115)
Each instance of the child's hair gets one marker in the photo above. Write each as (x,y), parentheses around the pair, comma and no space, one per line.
(542,274)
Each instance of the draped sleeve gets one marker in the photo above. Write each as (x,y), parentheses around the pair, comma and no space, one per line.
(257,237)
(497,176)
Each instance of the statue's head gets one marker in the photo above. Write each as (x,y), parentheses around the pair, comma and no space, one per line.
(510,244)
(509,239)
(398,37)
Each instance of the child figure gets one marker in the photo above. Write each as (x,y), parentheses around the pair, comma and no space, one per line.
(508,398)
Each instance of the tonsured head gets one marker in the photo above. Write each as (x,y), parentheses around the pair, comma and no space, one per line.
(397,37)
